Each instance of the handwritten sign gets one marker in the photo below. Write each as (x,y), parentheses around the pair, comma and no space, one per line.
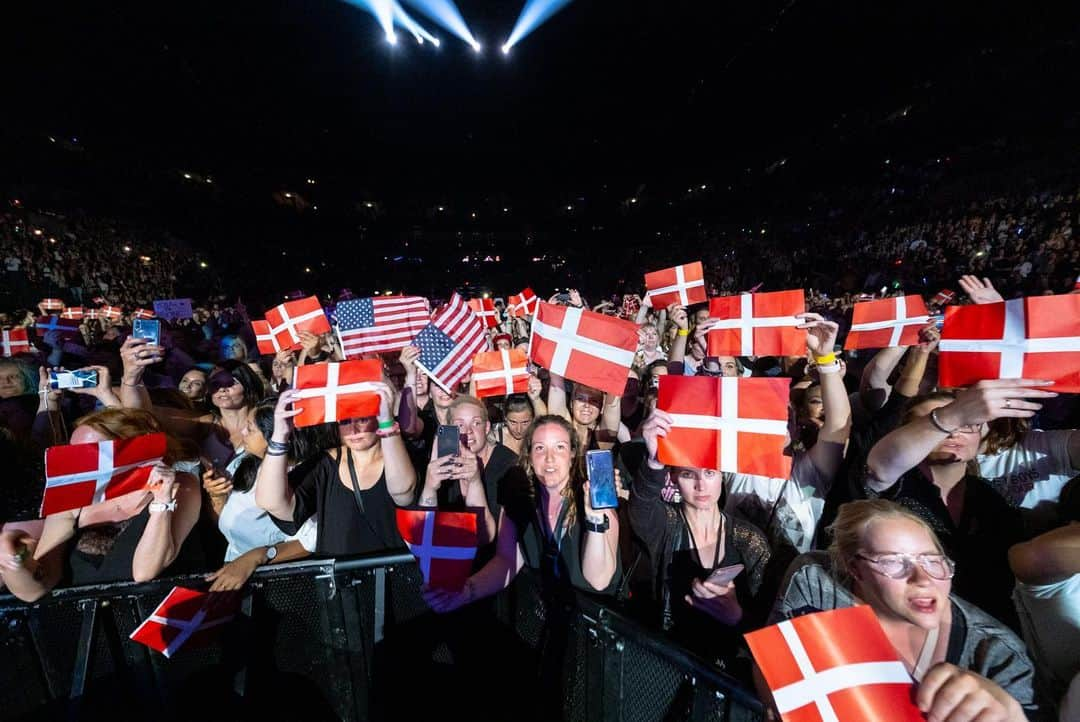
(172,309)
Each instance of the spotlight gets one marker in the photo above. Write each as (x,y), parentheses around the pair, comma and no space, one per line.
(477,47)
(534,14)
(506,50)
(391,38)
(436,41)
(419,40)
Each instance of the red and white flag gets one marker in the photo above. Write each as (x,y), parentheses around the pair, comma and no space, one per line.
(729,424)
(1023,338)
(264,340)
(288,319)
(683,285)
(79,475)
(500,373)
(184,617)
(99,300)
(143,313)
(484,308)
(834,666)
(111,313)
(90,314)
(51,304)
(66,327)
(887,323)
(336,391)
(74,313)
(13,341)
(524,304)
(1076,286)
(449,343)
(943,297)
(379,325)
(443,542)
(583,346)
(757,324)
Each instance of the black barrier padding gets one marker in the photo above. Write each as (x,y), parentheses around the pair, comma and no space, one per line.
(25,687)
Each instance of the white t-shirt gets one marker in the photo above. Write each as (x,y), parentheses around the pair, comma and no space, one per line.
(1031,474)
(246,526)
(1050,617)
(799,502)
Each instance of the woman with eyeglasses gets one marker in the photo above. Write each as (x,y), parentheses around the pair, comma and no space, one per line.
(927,466)
(967,666)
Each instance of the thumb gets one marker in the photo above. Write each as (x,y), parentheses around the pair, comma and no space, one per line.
(213,575)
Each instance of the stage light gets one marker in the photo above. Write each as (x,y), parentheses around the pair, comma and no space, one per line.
(534,14)
(506,50)
(392,39)
(477,47)
(406,21)
(447,15)
(436,41)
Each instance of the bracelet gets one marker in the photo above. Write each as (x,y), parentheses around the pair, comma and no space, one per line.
(825,360)
(389,423)
(158,506)
(393,430)
(683,332)
(937,423)
(833,368)
(277,445)
(272,452)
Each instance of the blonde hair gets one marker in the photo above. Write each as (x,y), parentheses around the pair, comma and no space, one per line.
(466,400)
(850,525)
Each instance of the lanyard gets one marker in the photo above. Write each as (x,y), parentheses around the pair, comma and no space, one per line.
(553,538)
(716,549)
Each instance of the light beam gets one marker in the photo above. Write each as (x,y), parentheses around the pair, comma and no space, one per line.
(446,14)
(533,15)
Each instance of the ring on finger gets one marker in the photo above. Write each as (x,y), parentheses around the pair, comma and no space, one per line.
(1008,403)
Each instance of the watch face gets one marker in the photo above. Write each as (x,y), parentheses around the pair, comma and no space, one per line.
(271,552)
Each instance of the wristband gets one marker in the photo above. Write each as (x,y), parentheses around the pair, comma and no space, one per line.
(392,430)
(683,332)
(271,452)
(833,368)
(277,445)
(825,360)
(387,424)
(159,506)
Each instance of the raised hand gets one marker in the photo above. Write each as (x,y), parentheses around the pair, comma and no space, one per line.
(820,334)
(979,291)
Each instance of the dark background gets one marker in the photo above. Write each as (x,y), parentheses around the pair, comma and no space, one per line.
(780,109)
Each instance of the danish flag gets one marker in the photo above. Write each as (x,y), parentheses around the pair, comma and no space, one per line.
(266,341)
(288,319)
(51,304)
(757,324)
(14,340)
(183,616)
(524,304)
(584,346)
(943,296)
(886,323)
(443,542)
(336,391)
(500,373)
(112,313)
(79,475)
(683,284)
(729,424)
(834,666)
(484,308)
(1031,338)
(72,312)
(143,313)
(91,314)
(64,326)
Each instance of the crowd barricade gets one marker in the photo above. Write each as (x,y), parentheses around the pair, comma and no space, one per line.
(351,639)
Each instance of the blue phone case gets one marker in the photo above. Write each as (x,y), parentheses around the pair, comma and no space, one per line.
(602,492)
(150,329)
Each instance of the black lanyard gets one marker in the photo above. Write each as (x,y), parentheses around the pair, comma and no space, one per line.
(553,538)
(356,493)
(697,553)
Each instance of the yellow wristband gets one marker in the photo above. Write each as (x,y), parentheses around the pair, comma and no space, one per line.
(825,360)
(684,332)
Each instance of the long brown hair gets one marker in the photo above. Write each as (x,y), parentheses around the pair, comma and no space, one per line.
(577,462)
(119,423)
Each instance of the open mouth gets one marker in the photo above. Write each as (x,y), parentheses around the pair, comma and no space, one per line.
(923,605)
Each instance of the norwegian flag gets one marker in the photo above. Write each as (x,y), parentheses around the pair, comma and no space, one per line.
(887,323)
(757,324)
(79,475)
(523,304)
(66,327)
(449,343)
(832,666)
(13,341)
(729,424)
(1030,338)
(484,308)
(51,304)
(111,313)
(584,346)
(443,542)
(683,285)
(336,391)
(943,296)
(266,341)
(75,313)
(378,325)
(143,313)
(288,319)
(500,373)
(184,617)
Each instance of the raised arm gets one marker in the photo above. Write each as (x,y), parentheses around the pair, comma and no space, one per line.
(918,357)
(536,388)
(136,354)
(166,530)
(600,552)
(874,389)
(272,490)
(556,400)
(828,451)
(397,466)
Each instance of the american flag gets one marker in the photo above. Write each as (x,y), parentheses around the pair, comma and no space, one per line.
(449,342)
(375,325)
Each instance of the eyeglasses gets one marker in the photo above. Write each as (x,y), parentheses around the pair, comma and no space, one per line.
(900,566)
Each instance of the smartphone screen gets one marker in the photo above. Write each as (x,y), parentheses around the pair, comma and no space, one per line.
(147,328)
(723,575)
(78,379)
(448,440)
(602,492)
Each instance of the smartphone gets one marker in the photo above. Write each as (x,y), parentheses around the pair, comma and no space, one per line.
(562,297)
(723,575)
(78,379)
(448,439)
(601,468)
(148,328)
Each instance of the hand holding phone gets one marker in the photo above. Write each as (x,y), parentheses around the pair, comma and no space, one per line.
(147,328)
(601,470)
(78,379)
(724,575)
(448,441)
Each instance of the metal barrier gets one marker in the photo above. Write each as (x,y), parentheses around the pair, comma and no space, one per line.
(352,639)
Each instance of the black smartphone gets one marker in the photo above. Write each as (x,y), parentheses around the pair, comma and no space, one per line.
(601,468)
(563,298)
(448,439)
(148,328)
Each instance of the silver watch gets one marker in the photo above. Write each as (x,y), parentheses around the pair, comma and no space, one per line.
(159,506)
(271,553)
